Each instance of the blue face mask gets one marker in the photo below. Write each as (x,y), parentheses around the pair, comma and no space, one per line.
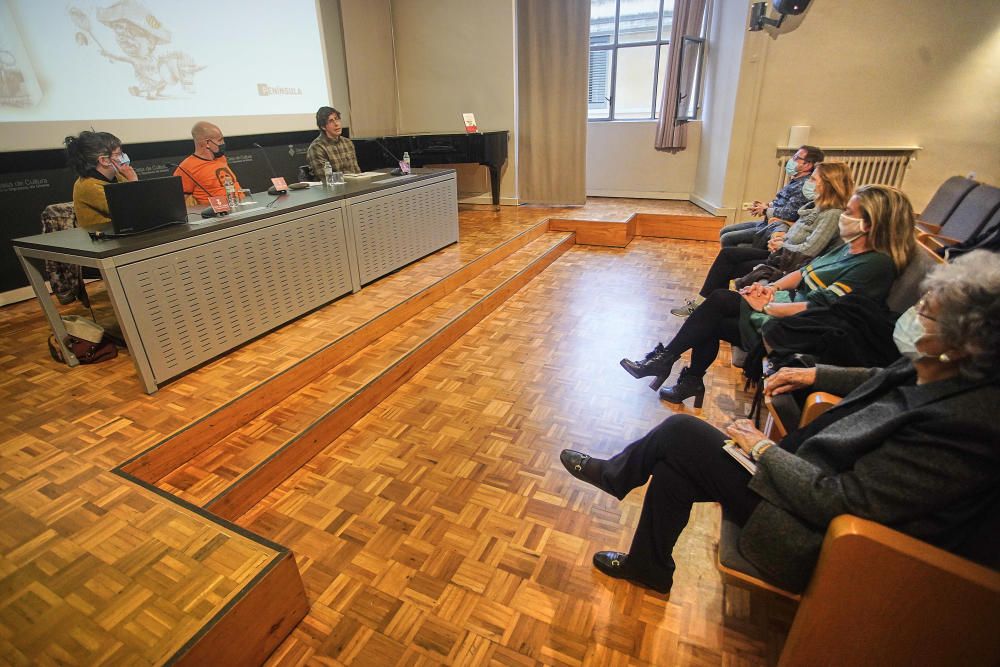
(791,167)
(809,190)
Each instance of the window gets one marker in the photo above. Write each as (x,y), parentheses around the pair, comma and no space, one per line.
(629,43)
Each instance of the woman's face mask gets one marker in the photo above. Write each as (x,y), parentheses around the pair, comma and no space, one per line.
(850,228)
(908,331)
(809,190)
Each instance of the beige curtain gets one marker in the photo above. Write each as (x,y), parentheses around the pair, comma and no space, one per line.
(371,66)
(689,15)
(553,45)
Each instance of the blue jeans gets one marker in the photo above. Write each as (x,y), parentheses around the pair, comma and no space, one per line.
(741,233)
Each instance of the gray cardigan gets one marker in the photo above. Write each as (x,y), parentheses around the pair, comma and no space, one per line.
(814,231)
(924,460)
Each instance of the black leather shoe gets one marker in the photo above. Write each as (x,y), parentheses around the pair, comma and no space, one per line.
(688,385)
(657,364)
(577,465)
(615,564)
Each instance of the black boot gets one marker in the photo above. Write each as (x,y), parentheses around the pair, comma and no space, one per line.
(657,363)
(688,385)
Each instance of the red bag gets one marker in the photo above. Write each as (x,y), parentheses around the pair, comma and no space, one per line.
(85,351)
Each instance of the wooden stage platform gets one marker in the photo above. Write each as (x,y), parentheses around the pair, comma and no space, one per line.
(377,482)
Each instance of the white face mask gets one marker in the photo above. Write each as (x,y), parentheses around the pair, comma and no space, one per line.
(908,330)
(850,228)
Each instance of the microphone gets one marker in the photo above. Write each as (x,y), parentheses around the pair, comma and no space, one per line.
(205,213)
(397,171)
(271,190)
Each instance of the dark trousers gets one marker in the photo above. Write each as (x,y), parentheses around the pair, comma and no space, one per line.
(731,262)
(717,318)
(685,458)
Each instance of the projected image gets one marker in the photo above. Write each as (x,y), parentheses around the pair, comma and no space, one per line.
(108,59)
(140,38)
(18,84)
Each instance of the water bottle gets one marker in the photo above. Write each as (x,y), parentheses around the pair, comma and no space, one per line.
(406,159)
(328,175)
(230,192)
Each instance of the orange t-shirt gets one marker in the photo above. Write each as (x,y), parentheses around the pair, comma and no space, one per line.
(208,175)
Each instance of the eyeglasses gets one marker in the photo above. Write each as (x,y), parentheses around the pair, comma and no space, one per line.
(217,142)
(921,306)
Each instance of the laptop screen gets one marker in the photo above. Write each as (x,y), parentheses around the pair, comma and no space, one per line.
(139,206)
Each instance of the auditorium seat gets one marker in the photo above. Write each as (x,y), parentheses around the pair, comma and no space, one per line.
(879,597)
(947,198)
(969,217)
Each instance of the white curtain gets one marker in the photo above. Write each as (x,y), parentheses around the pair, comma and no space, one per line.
(689,15)
(553,46)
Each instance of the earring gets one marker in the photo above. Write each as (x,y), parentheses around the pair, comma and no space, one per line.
(944,358)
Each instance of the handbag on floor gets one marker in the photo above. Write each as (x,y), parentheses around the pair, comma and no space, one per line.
(84,350)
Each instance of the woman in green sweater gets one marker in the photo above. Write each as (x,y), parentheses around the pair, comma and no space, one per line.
(878,232)
(98,159)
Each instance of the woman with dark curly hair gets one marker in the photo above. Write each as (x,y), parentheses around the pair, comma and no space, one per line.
(913,446)
(98,159)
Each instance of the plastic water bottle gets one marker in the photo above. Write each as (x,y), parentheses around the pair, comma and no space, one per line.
(230,192)
(406,159)
(328,175)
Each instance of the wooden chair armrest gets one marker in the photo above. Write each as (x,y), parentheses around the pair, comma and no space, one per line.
(929,246)
(928,227)
(775,428)
(880,597)
(817,403)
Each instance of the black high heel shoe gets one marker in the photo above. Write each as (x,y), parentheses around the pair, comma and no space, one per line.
(688,385)
(657,363)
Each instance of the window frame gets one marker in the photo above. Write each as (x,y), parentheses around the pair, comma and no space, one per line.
(614,46)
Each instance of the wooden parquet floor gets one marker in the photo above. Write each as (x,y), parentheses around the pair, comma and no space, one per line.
(439,529)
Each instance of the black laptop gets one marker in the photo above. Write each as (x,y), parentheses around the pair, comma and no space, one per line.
(151,203)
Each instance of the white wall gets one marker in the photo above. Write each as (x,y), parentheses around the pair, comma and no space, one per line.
(723,74)
(621,162)
(456,56)
(888,73)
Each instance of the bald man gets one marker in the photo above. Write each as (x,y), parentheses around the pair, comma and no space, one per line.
(203,173)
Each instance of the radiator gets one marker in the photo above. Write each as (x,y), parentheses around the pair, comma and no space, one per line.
(882,166)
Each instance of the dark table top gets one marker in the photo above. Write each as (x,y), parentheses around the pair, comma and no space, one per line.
(78,242)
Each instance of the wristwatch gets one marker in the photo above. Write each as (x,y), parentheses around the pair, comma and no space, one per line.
(758,449)
(767,308)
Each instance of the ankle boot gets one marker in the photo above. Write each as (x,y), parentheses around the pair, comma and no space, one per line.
(688,385)
(657,363)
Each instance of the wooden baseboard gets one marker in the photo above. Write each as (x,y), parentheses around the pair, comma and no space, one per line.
(689,227)
(597,232)
(247,632)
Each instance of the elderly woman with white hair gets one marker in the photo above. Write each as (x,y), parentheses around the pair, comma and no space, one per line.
(913,446)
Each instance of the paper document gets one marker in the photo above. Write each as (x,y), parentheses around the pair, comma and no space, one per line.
(734,450)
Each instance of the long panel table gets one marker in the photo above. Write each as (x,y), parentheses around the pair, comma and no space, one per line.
(190,292)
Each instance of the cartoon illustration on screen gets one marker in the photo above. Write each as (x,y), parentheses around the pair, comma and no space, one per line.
(139,34)
(19,87)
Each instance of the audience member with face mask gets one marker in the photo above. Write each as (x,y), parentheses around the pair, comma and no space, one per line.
(878,231)
(912,446)
(98,159)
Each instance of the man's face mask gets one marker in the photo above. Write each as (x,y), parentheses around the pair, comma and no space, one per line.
(219,148)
